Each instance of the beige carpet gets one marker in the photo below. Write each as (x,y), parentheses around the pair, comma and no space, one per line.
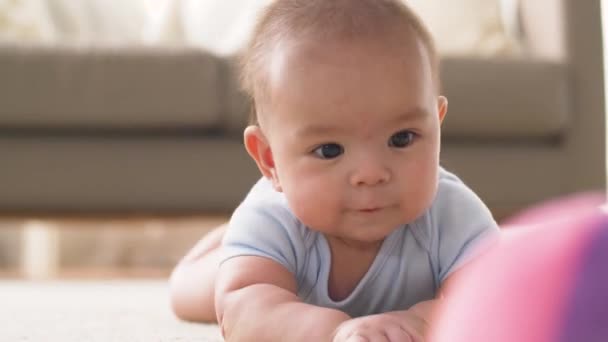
(101,311)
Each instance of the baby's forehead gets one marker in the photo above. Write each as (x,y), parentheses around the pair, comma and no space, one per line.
(307,60)
(308,57)
(398,37)
(312,81)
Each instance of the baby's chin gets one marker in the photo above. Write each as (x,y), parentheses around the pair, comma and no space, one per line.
(362,232)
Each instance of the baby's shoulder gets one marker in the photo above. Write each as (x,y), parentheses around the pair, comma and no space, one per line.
(452,191)
(265,200)
(454,205)
(267,208)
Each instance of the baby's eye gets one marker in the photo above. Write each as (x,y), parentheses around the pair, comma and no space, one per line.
(401,139)
(329,151)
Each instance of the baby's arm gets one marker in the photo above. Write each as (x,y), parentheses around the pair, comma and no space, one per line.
(192,282)
(255,301)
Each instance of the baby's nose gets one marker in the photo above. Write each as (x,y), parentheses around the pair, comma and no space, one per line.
(369,174)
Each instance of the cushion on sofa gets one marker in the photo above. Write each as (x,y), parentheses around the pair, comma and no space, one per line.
(507,99)
(109,87)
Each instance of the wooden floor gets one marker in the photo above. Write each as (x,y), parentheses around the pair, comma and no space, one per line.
(93,247)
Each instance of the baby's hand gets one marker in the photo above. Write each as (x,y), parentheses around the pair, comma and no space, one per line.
(399,326)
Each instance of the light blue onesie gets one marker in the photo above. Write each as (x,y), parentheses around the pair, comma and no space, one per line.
(412,262)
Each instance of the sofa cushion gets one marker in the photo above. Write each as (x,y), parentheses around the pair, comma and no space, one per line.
(505,99)
(108,87)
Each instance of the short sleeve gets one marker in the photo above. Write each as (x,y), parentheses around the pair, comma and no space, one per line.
(461,226)
(265,228)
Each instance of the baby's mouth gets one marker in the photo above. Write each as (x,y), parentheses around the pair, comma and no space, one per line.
(373,208)
(370,210)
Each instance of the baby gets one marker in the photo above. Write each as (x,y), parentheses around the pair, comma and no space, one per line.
(354,230)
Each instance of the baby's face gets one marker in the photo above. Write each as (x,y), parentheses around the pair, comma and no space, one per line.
(354,131)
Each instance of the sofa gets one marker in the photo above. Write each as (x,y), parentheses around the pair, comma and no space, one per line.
(143,129)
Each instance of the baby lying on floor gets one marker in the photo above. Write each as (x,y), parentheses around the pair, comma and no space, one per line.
(354,230)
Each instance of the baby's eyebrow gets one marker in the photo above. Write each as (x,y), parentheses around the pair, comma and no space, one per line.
(414,114)
(317,130)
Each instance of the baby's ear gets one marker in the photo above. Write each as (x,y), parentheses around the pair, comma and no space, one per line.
(259,149)
(442,107)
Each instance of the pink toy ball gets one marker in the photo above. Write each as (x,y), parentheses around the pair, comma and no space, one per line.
(546,280)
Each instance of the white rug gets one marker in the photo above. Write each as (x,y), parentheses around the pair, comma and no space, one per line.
(102,311)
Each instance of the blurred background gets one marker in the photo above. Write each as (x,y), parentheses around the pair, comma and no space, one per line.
(121,120)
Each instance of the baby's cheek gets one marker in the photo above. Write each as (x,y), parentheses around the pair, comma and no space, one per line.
(427,188)
(418,196)
(312,205)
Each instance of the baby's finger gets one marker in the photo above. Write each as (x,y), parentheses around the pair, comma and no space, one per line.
(357,338)
(416,328)
(372,336)
(395,333)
